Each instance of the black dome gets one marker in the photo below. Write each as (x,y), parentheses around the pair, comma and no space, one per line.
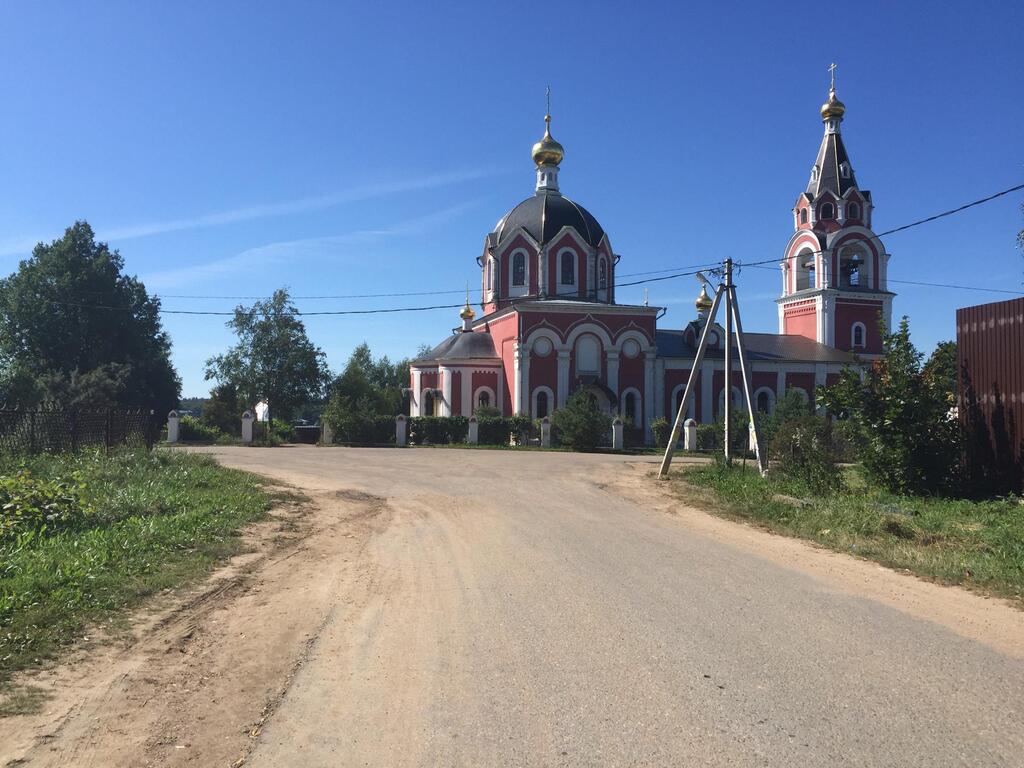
(544,215)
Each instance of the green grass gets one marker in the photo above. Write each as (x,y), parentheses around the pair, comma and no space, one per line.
(976,544)
(158,520)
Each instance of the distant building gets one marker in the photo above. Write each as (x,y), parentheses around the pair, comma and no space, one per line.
(550,323)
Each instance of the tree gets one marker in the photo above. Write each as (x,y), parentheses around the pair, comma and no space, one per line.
(909,441)
(222,411)
(70,310)
(274,360)
(581,422)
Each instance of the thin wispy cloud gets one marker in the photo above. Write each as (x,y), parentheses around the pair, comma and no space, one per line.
(23,245)
(262,258)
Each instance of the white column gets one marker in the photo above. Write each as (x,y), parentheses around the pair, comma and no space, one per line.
(613,370)
(517,382)
(524,387)
(659,388)
(591,275)
(467,391)
(414,398)
(500,394)
(648,396)
(445,375)
(542,272)
(706,381)
(820,377)
(562,395)
(780,385)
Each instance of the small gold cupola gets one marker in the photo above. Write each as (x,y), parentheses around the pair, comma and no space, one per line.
(467,314)
(833,108)
(547,151)
(703,302)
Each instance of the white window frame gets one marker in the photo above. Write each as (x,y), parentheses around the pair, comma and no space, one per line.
(638,410)
(576,355)
(863,335)
(490,393)
(575,269)
(524,289)
(533,400)
(771,398)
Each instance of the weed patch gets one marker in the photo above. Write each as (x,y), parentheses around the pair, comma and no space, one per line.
(93,534)
(976,544)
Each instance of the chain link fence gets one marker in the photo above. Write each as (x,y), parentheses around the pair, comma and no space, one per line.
(68,431)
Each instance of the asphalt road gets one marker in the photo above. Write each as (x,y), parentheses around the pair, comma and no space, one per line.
(546,609)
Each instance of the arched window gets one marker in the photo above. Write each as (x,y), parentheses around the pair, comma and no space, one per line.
(828,211)
(518,268)
(737,400)
(483,400)
(852,267)
(602,274)
(427,403)
(853,211)
(491,274)
(630,401)
(805,264)
(844,169)
(857,336)
(542,405)
(677,400)
(588,355)
(803,215)
(764,401)
(567,262)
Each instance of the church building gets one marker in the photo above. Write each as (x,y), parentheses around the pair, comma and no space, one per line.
(550,324)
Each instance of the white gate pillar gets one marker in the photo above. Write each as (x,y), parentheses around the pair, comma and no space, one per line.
(173,422)
(473,435)
(690,435)
(247,420)
(400,425)
(545,432)
(617,441)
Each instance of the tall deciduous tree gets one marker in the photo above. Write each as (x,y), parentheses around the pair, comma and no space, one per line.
(274,360)
(71,318)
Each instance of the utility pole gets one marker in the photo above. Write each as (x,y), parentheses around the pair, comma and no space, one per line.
(725,290)
(727,391)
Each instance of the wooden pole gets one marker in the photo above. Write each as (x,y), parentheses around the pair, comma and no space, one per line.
(677,427)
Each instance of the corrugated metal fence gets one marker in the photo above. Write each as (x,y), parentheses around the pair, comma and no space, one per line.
(990,358)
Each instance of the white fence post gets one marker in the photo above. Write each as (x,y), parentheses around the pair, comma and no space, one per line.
(400,431)
(545,432)
(247,419)
(473,436)
(173,422)
(690,435)
(617,441)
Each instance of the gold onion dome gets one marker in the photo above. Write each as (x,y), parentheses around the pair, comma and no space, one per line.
(467,313)
(547,151)
(703,302)
(833,107)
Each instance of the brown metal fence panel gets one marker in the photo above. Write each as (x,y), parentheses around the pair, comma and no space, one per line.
(990,358)
(67,431)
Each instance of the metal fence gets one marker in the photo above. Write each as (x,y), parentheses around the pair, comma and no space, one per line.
(67,431)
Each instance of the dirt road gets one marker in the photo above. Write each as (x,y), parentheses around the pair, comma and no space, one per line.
(490,608)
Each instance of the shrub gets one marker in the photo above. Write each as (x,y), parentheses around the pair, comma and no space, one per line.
(802,450)
(493,431)
(709,437)
(581,422)
(486,412)
(192,430)
(662,429)
(32,504)
(364,429)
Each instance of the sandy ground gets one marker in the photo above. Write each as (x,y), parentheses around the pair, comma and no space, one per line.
(458,607)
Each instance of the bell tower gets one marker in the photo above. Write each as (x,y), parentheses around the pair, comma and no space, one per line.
(834,269)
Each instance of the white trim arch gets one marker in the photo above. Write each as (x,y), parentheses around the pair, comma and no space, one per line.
(691,408)
(737,400)
(533,401)
(546,333)
(858,326)
(588,326)
(771,400)
(802,392)
(513,289)
(483,390)
(638,406)
(640,338)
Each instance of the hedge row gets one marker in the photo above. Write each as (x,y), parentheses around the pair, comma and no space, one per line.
(440,430)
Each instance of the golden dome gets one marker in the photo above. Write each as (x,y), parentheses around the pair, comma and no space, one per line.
(703,302)
(833,107)
(467,313)
(547,151)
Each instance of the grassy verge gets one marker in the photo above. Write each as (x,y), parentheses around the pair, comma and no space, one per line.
(979,545)
(153,521)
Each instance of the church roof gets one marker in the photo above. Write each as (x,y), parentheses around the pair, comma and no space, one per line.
(543,215)
(466,345)
(831,155)
(764,347)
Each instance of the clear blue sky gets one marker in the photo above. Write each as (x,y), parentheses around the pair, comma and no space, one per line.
(339,148)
